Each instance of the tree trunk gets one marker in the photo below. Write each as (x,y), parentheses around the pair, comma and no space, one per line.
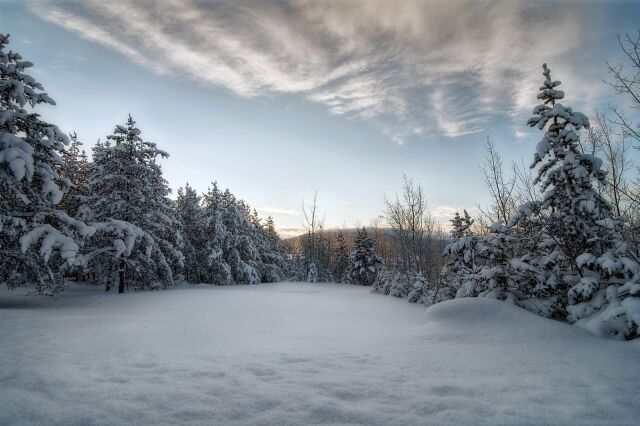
(121,276)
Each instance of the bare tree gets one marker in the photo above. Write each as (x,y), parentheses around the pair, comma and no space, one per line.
(312,223)
(501,188)
(409,219)
(383,247)
(525,190)
(626,82)
(613,147)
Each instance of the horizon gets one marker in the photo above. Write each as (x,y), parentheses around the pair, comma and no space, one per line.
(266,109)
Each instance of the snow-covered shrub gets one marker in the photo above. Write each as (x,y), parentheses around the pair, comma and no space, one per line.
(401,284)
(312,274)
(421,292)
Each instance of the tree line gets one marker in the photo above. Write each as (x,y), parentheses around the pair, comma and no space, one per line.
(110,220)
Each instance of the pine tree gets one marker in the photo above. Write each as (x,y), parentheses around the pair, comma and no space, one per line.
(75,171)
(458,275)
(239,250)
(341,262)
(38,240)
(496,278)
(274,254)
(191,217)
(127,190)
(218,270)
(365,263)
(584,273)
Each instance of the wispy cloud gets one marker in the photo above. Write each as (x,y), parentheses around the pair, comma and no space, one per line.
(276,210)
(442,214)
(405,66)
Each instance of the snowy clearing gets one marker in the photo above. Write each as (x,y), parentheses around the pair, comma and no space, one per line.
(295,353)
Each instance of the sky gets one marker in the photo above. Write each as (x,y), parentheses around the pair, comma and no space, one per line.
(274,98)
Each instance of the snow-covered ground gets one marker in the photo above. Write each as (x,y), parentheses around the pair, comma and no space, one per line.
(302,353)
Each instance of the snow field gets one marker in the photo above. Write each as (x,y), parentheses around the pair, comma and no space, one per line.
(294,353)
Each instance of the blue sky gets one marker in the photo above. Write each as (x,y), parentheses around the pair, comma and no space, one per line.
(273,98)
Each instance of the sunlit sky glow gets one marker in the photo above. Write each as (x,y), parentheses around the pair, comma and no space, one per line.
(272,98)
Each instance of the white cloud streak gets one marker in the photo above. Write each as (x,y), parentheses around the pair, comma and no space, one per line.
(446,65)
(276,210)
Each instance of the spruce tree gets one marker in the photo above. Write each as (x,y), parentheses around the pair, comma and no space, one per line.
(191,217)
(75,171)
(275,253)
(458,275)
(365,263)
(239,249)
(127,190)
(341,262)
(38,240)
(495,278)
(218,270)
(586,272)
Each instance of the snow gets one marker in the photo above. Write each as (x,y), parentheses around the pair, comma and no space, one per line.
(294,353)
(51,239)
(18,154)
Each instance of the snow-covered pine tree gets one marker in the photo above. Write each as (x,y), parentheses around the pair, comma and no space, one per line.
(495,277)
(239,250)
(365,263)
(588,276)
(458,275)
(128,191)
(191,217)
(341,262)
(218,270)
(75,170)
(275,253)
(38,240)
(421,292)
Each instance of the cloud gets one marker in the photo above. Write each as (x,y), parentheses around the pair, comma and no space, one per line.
(443,213)
(276,210)
(444,67)
(289,232)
